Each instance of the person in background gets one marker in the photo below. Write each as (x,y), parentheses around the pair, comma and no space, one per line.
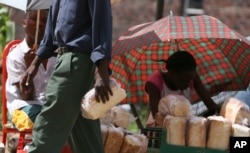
(180,78)
(81,32)
(23,106)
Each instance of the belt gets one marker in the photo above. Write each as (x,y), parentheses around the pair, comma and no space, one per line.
(62,50)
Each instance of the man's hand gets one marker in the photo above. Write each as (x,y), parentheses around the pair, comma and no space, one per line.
(103,91)
(28,57)
(26,92)
(30,73)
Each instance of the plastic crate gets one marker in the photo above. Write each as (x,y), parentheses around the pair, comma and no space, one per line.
(154,139)
(165,148)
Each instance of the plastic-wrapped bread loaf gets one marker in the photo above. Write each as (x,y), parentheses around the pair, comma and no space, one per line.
(175,127)
(114,140)
(236,111)
(174,105)
(104,131)
(196,132)
(219,132)
(130,144)
(240,131)
(92,109)
(122,117)
(159,119)
(144,143)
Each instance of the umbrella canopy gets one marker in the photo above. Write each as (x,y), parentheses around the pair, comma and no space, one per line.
(27,4)
(222,55)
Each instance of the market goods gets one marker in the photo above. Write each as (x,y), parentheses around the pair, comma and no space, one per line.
(114,140)
(92,109)
(219,132)
(175,105)
(196,132)
(240,131)
(175,127)
(130,144)
(236,111)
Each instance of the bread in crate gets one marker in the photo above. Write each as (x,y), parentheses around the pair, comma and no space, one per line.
(236,111)
(219,131)
(196,132)
(176,129)
(136,143)
(240,131)
(114,139)
(92,109)
(174,105)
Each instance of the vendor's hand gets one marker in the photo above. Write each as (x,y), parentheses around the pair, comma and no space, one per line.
(213,111)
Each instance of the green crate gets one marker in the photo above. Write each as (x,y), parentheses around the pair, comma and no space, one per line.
(167,148)
(154,137)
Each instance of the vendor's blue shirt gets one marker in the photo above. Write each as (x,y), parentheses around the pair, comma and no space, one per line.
(85,25)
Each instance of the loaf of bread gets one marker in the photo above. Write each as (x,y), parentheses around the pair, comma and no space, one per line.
(240,131)
(219,132)
(159,119)
(130,144)
(114,140)
(174,105)
(236,111)
(176,129)
(122,117)
(196,132)
(144,143)
(92,109)
(104,131)
(107,118)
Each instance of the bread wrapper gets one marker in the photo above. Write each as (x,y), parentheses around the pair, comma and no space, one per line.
(176,129)
(175,105)
(236,111)
(92,109)
(196,132)
(240,131)
(122,117)
(219,132)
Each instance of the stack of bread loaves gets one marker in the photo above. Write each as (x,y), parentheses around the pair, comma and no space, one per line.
(213,132)
(117,116)
(118,140)
(173,105)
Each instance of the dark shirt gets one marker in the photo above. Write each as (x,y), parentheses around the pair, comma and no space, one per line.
(85,25)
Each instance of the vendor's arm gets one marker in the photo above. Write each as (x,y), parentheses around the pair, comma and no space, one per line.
(154,97)
(204,95)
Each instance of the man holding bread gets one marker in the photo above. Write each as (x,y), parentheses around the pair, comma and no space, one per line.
(81,33)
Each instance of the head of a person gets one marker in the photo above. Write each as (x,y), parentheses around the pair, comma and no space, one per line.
(181,68)
(30,25)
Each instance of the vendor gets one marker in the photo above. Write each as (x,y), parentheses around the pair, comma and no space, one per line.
(180,77)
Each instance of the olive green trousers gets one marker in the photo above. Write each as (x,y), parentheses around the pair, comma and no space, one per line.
(60,119)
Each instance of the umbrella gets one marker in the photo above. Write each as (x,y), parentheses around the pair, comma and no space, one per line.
(222,54)
(27,4)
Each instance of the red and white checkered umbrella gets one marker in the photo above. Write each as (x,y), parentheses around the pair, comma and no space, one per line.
(222,54)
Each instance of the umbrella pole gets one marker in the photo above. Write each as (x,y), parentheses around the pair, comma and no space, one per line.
(35,46)
(135,113)
(159,9)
